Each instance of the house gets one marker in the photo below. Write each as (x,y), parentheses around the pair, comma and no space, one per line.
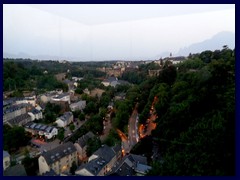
(113,81)
(97,92)
(120,96)
(20,120)
(59,159)
(17,170)
(41,129)
(155,73)
(64,97)
(77,78)
(69,83)
(101,162)
(109,80)
(6,160)
(45,98)
(86,91)
(35,114)
(80,105)
(65,119)
(81,145)
(15,110)
(131,165)
(29,100)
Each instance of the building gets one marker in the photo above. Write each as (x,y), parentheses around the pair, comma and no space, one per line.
(101,162)
(86,91)
(80,105)
(45,98)
(35,114)
(41,130)
(96,92)
(113,81)
(64,97)
(59,159)
(131,165)
(77,79)
(20,120)
(15,110)
(109,80)
(81,145)
(29,100)
(65,119)
(6,160)
(152,73)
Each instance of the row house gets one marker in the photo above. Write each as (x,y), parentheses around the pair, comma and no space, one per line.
(80,105)
(65,119)
(35,114)
(81,145)
(15,110)
(59,159)
(41,129)
(101,162)
(20,120)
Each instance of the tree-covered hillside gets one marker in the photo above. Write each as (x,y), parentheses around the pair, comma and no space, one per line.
(195,130)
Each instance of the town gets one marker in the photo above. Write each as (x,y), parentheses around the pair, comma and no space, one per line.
(109,118)
(61,128)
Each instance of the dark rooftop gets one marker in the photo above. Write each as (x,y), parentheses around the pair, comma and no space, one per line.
(82,141)
(66,116)
(18,119)
(59,152)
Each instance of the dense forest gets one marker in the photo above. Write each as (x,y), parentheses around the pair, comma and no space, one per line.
(195,131)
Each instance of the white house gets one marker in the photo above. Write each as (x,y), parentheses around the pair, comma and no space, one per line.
(61,97)
(35,114)
(41,129)
(6,160)
(65,119)
(80,105)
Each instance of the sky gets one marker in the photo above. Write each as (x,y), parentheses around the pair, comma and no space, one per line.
(86,32)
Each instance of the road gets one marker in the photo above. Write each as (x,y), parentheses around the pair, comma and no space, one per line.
(150,121)
(132,128)
(107,126)
(132,139)
(125,144)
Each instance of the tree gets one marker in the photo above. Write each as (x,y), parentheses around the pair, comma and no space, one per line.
(11,138)
(112,138)
(31,165)
(60,134)
(81,117)
(91,108)
(71,127)
(93,145)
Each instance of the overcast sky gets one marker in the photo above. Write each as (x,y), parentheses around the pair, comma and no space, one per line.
(110,32)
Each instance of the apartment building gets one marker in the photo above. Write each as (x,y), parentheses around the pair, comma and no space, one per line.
(59,159)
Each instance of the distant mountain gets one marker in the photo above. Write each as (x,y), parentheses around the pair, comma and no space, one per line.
(216,42)
(27,56)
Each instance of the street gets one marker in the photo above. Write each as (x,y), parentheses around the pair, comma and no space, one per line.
(132,128)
